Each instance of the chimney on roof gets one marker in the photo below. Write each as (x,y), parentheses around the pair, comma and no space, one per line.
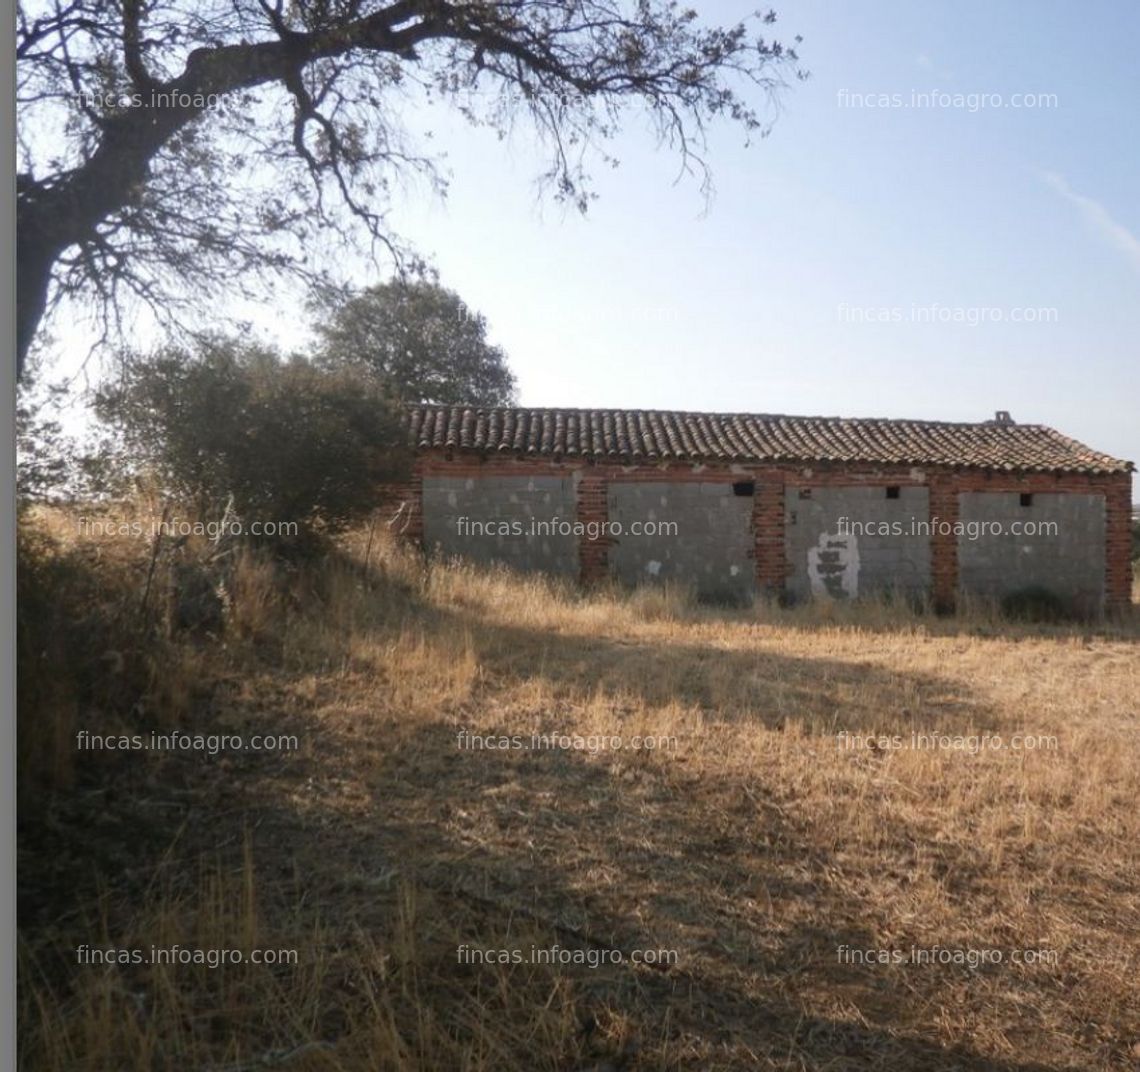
(1002,417)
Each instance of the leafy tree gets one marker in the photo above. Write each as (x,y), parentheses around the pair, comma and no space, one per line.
(288,441)
(42,450)
(422,340)
(162,140)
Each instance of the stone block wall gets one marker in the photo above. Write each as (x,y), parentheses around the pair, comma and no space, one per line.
(524,521)
(1012,540)
(695,533)
(769,535)
(847,542)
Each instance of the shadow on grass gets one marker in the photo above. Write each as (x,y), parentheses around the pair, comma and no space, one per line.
(612,858)
(561,851)
(522,848)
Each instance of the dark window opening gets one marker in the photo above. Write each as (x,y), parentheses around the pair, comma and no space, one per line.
(744,488)
(893,491)
(1026,498)
(805,493)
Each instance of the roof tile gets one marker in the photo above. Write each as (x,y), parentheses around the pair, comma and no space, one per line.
(753,437)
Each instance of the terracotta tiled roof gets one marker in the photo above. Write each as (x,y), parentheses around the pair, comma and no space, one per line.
(656,435)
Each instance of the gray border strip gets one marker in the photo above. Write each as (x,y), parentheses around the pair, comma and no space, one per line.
(8,550)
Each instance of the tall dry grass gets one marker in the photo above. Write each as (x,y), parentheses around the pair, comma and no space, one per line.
(752,842)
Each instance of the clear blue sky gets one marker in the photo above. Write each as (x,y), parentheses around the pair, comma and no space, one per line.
(648,301)
(823,275)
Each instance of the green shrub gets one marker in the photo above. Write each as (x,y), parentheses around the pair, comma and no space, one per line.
(277,439)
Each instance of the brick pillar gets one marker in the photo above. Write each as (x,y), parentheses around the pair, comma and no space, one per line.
(399,506)
(1118,543)
(593,555)
(943,542)
(414,530)
(768,532)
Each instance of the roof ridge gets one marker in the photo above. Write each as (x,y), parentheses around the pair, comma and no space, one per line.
(696,435)
(727,414)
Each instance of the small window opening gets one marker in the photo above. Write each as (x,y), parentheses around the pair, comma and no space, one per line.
(893,491)
(1026,498)
(805,493)
(744,488)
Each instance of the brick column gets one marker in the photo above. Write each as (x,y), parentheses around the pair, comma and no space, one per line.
(414,531)
(768,532)
(943,542)
(593,555)
(1118,543)
(399,506)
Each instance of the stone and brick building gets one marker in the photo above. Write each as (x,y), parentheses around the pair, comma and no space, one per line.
(741,504)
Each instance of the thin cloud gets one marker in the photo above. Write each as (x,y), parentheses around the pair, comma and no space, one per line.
(1098,218)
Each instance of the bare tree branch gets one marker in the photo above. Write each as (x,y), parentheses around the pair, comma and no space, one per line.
(163,137)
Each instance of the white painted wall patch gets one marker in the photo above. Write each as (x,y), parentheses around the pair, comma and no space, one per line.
(833,566)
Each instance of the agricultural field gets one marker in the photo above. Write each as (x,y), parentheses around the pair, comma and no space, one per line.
(500,824)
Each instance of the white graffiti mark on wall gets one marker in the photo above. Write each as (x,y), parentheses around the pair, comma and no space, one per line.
(833,566)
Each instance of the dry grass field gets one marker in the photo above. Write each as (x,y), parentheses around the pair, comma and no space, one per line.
(755,891)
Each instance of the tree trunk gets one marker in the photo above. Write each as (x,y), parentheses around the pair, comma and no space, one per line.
(35,256)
